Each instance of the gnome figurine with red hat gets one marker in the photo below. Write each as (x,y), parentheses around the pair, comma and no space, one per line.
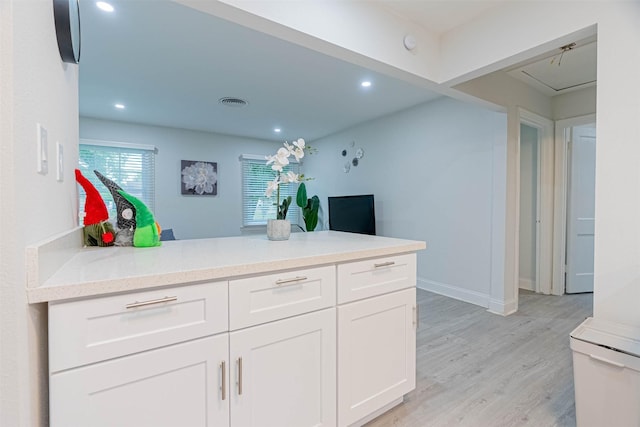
(98,231)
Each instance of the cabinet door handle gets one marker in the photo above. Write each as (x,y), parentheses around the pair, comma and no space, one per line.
(151,302)
(223,368)
(239,376)
(295,279)
(384,264)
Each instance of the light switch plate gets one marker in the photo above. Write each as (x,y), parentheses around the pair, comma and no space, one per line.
(42,150)
(59,162)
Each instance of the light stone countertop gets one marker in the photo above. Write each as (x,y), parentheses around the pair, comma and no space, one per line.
(100,271)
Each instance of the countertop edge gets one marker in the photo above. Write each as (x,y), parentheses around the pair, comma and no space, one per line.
(57,293)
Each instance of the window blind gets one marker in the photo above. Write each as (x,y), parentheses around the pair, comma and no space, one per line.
(133,169)
(257,208)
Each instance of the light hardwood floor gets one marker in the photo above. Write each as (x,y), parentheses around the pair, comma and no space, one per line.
(479,369)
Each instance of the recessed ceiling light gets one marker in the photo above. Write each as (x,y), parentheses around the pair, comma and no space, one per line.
(103,5)
(277,130)
(119,106)
(365,83)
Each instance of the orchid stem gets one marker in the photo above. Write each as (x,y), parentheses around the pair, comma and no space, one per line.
(278,199)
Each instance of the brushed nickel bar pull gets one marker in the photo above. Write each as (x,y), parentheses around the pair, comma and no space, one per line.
(295,279)
(415,317)
(239,376)
(223,368)
(384,264)
(151,302)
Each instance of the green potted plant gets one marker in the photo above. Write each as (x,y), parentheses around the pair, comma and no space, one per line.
(309,207)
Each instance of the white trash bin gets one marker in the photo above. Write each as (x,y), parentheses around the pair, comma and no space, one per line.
(606,374)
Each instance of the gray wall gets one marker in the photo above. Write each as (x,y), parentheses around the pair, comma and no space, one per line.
(432,173)
(190,217)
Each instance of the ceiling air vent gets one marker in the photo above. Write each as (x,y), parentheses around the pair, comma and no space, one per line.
(232,102)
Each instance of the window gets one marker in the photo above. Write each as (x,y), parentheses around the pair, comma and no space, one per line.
(131,166)
(256,207)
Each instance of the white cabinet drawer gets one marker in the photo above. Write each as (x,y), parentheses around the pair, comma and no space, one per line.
(261,299)
(364,279)
(92,330)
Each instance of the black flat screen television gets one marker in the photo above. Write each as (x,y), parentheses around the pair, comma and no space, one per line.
(355,214)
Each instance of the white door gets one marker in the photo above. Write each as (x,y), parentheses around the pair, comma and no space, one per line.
(284,372)
(178,385)
(375,368)
(581,209)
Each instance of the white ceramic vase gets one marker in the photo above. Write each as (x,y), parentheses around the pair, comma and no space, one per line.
(278,229)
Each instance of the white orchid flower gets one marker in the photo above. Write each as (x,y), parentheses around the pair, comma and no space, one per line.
(298,153)
(270,159)
(298,149)
(271,187)
(290,177)
(278,163)
(279,160)
(289,147)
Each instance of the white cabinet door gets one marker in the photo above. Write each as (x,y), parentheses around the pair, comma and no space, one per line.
(376,353)
(284,373)
(178,385)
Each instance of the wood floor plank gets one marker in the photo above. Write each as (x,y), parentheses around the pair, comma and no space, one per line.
(479,369)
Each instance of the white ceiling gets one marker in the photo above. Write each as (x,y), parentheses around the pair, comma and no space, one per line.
(440,16)
(170,64)
(550,73)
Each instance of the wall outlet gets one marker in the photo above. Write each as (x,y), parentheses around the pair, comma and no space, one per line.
(59,162)
(42,150)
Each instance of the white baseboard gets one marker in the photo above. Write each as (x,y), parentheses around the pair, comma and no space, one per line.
(454,292)
(528,284)
(503,308)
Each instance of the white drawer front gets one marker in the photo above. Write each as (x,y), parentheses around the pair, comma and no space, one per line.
(364,279)
(92,330)
(262,299)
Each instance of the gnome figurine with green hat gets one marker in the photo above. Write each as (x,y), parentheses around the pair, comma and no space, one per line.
(98,231)
(125,220)
(147,231)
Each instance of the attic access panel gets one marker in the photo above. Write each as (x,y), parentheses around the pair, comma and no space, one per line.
(577,68)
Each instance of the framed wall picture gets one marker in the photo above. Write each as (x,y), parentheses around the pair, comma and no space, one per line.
(198,178)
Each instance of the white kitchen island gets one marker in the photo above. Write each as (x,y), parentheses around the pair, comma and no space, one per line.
(318,330)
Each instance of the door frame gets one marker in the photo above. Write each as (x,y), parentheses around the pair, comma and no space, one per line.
(536,237)
(544,231)
(562,138)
